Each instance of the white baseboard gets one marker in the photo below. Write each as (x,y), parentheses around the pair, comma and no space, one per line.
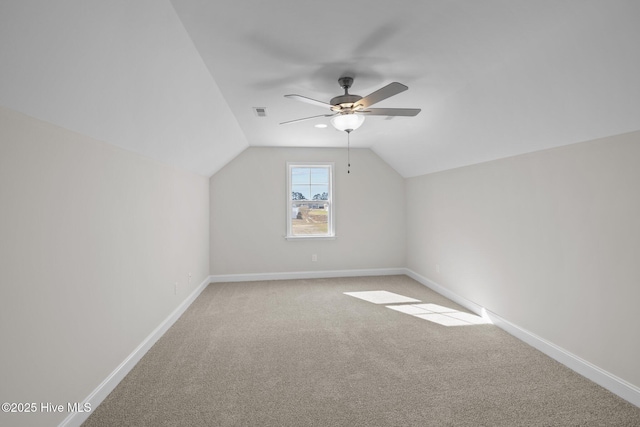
(107,386)
(305,275)
(618,386)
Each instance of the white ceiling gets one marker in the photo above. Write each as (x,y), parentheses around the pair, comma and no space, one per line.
(176,81)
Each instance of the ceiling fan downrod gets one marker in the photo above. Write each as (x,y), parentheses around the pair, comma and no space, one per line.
(345,83)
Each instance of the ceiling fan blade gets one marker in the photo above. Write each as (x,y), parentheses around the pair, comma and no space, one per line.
(409,112)
(309,100)
(382,93)
(306,118)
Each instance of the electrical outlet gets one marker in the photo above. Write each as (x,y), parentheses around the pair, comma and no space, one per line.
(314,257)
(189,281)
(437,268)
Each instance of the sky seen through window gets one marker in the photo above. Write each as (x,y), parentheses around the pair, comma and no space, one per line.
(310,181)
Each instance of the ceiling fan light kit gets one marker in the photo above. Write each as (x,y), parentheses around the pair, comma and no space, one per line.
(347,122)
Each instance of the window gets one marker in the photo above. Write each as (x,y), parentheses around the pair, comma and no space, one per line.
(310,200)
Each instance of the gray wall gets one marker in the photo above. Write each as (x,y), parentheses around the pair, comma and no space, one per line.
(248,216)
(548,241)
(92,241)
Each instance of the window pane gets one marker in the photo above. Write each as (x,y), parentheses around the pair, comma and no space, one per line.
(319,175)
(300,192)
(309,218)
(319,192)
(300,175)
(310,183)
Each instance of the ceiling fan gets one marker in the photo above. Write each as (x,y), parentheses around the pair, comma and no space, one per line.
(348,111)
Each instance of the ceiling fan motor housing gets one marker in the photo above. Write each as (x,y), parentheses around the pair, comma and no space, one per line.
(345,101)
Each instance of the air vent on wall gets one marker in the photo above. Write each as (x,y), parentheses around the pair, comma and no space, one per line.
(260,111)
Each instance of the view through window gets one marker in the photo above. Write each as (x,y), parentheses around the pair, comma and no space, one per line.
(310,204)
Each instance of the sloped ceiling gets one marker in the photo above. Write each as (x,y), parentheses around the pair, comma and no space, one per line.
(123,72)
(176,81)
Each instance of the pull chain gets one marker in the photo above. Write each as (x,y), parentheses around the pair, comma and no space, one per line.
(348,152)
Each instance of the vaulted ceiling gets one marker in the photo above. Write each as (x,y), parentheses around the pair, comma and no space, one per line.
(177,80)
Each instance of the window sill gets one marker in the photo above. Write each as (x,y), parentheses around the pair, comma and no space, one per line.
(310,237)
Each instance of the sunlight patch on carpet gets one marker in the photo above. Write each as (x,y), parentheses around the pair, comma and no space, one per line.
(435,313)
(439,314)
(442,319)
(381,297)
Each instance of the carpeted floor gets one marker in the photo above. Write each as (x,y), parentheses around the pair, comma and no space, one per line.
(302,353)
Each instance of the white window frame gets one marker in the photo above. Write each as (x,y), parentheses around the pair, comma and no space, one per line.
(331,201)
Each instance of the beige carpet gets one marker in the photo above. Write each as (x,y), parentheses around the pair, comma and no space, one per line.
(302,353)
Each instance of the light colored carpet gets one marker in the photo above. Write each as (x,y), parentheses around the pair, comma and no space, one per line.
(302,353)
